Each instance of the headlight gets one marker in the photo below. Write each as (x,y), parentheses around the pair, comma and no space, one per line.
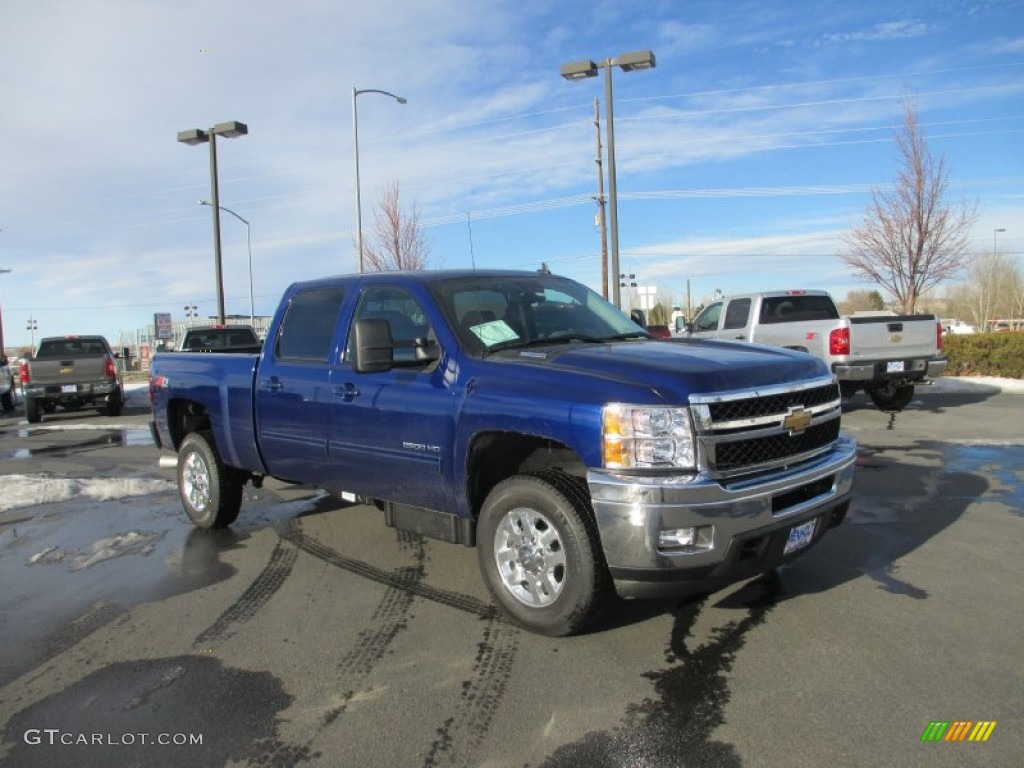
(647,437)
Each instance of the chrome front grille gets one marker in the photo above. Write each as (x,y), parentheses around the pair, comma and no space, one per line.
(756,430)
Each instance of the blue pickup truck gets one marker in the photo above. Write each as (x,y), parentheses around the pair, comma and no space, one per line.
(520,413)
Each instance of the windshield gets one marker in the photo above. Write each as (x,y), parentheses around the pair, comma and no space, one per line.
(502,312)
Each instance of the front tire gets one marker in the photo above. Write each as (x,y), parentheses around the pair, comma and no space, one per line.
(211,493)
(7,401)
(892,397)
(540,554)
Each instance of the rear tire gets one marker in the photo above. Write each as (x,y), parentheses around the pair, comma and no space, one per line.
(211,492)
(32,413)
(7,401)
(540,554)
(891,397)
(114,403)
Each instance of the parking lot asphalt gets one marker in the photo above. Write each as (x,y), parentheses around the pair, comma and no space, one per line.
(311,634)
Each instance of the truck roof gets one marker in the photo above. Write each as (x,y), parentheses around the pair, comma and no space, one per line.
(424,276)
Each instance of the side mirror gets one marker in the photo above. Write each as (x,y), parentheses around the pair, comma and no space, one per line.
(426,350)
(638,317)
(373,350)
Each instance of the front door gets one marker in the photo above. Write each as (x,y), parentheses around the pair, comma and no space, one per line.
(391,432)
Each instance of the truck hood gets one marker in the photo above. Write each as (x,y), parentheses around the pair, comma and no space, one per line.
(678,368)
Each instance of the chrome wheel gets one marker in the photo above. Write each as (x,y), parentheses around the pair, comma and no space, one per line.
(530,557)
(195,481)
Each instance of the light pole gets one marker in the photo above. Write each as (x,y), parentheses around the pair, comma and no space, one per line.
(995,248)
(230,130)
(579,70)
(248,242)
(355,152)
(32,326)
(3,354)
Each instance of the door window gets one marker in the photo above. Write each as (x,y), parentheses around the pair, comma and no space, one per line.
(708,319)
(736,314)
(405,316)
(308,326)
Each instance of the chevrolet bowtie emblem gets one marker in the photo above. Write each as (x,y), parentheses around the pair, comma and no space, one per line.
(797,420)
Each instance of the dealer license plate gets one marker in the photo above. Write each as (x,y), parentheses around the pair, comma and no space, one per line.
(894,366)
(800,536)
(69,388)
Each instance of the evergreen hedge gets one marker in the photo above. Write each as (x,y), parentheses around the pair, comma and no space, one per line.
(985,354)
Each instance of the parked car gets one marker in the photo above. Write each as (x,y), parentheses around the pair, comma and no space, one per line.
(523,414)
(6,385)
(883,353)
(71,372)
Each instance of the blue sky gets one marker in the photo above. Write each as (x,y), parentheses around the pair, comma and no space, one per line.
(742,157)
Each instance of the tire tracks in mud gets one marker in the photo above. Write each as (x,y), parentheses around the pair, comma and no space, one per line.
(258,594)
(674,726)
(459,735)
(457,600)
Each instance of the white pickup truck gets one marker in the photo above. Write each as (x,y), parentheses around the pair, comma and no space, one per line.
(883,354)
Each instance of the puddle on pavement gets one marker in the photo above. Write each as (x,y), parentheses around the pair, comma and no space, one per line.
(107,438)
(1003,463)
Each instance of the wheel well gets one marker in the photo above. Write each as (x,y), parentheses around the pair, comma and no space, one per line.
(183,417)
(494,456)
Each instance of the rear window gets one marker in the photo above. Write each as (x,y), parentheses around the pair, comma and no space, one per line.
(795,309)
(212,339)
(69,348)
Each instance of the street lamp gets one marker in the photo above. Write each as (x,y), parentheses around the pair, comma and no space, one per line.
(229,130)
(995,249)
(248,242)
(355,150)
(2,353)
(191,312)
(579,70)
(32,326)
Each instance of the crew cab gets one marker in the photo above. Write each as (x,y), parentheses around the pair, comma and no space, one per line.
(883,353)
(523,414)
(71,372)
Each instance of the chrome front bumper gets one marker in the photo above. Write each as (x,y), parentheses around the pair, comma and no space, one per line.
(745,522)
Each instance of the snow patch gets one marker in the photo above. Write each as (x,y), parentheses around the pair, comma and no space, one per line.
(131,543)
(27,490)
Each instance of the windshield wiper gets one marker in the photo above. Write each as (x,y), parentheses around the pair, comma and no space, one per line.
(564,339)
(630,335)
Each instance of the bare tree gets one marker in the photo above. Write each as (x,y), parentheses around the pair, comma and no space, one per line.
(992,290)
(398,241)
(911,238)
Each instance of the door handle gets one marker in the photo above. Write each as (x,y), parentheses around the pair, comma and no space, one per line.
(273,384)
(347,392)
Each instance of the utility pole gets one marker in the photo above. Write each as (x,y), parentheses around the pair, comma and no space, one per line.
(601,203)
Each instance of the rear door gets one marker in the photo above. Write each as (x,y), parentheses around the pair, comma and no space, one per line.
(293,394)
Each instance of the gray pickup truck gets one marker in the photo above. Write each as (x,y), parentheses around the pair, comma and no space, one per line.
(883,354)
(72,372)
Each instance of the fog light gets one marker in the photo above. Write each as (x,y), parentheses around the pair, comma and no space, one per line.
(698,538)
